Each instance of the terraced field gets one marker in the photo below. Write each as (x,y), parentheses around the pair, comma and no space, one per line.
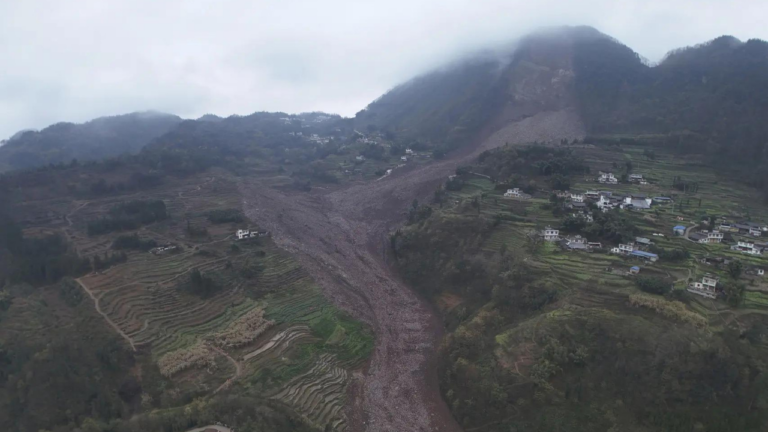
(303,355)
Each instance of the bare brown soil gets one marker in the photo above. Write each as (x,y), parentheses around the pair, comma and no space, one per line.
(341,237)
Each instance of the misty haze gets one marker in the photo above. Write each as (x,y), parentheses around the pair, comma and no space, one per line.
(422,216)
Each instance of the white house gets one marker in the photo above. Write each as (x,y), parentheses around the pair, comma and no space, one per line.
(747,247)
(516,193)
(409,152)
(635,178)
(579,198)
(404,158)
(626,249)
(607,202)
(608,178)
(244,234)
(714,236)
(360,158)
(551,234)
(755,232)
(623,249)
(706,288)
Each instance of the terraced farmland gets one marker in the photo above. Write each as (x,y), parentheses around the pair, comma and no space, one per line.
(266,322)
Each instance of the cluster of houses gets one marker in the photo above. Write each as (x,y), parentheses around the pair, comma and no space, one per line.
(242,234)
(609,178)
(577,242)
(607,200)
(745,228)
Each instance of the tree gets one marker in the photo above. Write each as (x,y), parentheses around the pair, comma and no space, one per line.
(653,285)
(734,293)
(735,268)
(533,242)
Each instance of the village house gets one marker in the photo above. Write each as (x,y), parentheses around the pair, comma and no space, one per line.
(643,241)
(715,261)
(714,236)
(726,227)
(607,178)
(163,249)
(623,249)
(635,178)
(562,194)
(551,234)
(705,236)
(243,234)
(404,158)
(360,158)
(679,230)
(706,288)
(609,202)
(577,198)
(516,193)
(747,248)
(648,256)
(409,152)
(662,200)
(637,201)
(593,195)
(246,234)
(576,243)
(634,270)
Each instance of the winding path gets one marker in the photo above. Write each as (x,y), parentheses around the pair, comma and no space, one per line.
(106,318)
(238,369)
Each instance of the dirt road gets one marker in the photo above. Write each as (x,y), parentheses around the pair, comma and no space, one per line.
(340,236)
(106,318)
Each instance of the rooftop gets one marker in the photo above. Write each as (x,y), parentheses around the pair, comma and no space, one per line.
(644,254)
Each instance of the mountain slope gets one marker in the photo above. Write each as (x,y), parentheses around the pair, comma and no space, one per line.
(97,139)
(714,94)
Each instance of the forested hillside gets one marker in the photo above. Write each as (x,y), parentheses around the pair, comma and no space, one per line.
(544,335)
(97,139)
(717,91)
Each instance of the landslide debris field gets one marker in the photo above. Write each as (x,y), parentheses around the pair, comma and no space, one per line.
(341,237)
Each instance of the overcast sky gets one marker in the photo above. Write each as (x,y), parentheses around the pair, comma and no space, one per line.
(73,61)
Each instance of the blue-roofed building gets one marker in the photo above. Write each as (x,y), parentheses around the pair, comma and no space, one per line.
(634,270)
(652,257)
(679,230)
